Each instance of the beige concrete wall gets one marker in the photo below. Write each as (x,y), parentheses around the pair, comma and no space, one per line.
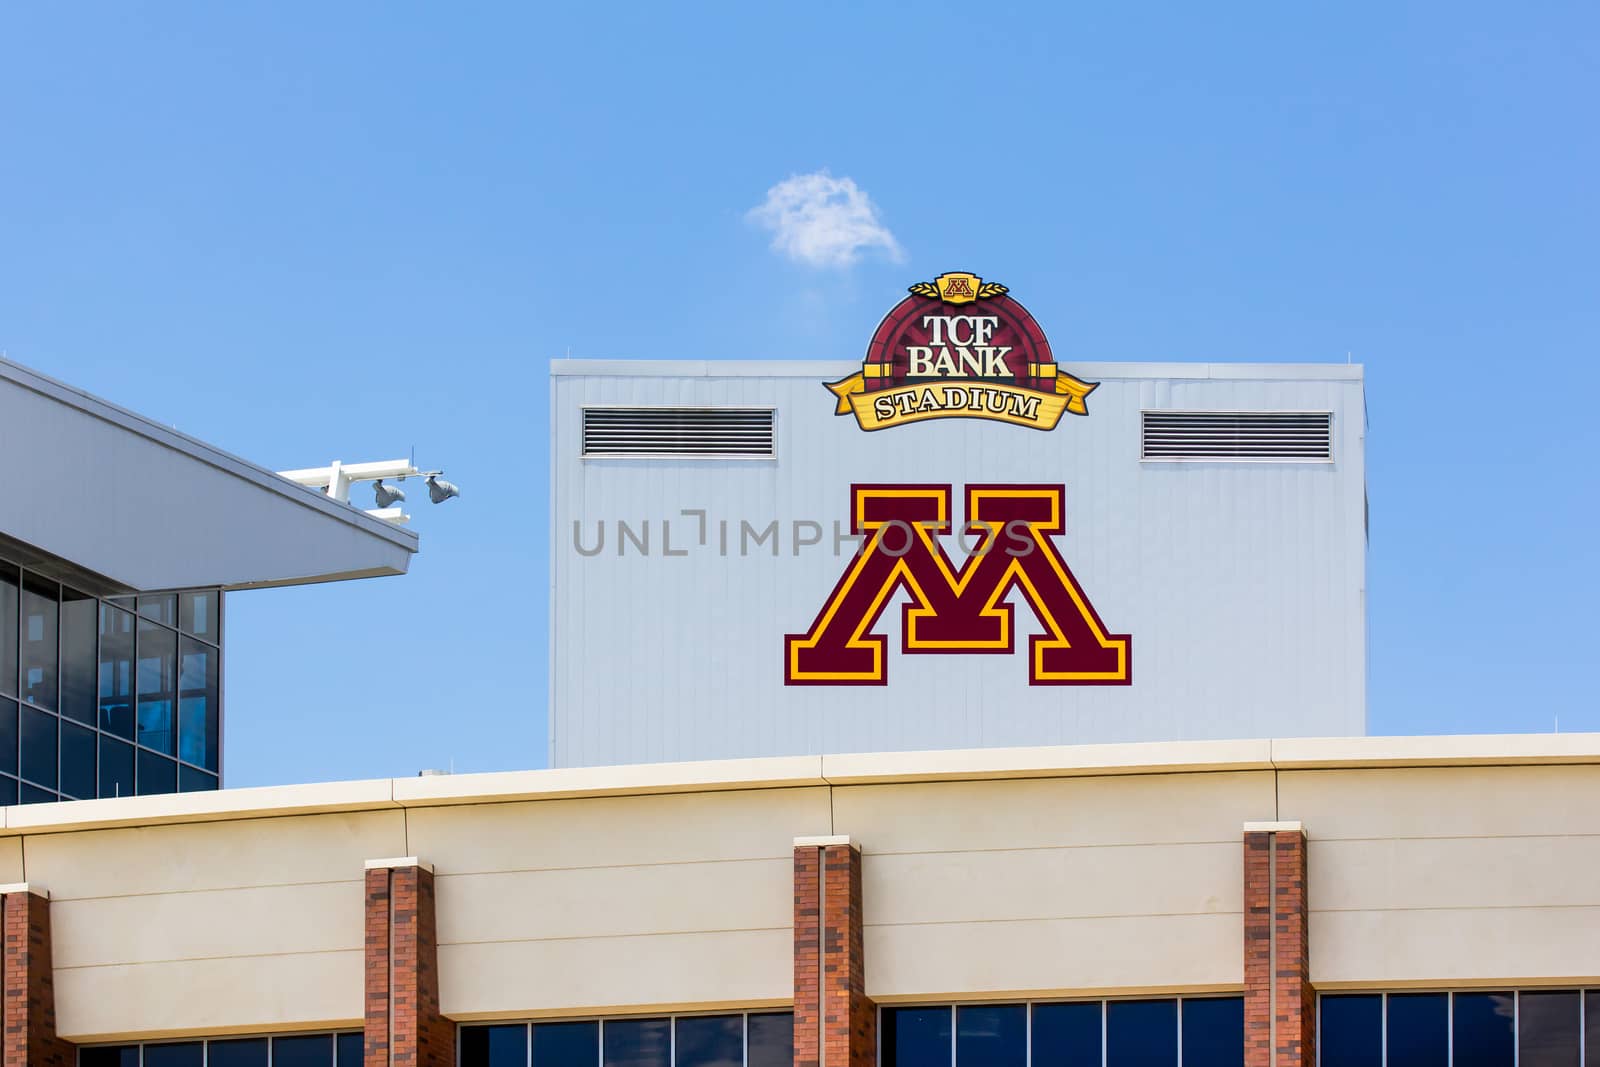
(248,925)
(1057,886)
(1451,875)
(572,906)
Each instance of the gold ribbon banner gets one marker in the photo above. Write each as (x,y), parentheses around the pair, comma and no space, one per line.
(959,398)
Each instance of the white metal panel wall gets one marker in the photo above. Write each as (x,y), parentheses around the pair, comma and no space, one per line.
(1241,583)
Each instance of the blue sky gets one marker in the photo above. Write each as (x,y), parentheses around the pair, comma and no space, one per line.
(304,232)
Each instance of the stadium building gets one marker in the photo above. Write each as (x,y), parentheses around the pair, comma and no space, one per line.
(956,707)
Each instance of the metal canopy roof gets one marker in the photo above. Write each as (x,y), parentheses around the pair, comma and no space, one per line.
(131,504)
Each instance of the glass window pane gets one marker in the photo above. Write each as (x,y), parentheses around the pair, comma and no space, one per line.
(116,672)
(315,1050)
(1547,1030)
(1350,1031)
(79,623)
(637,1043)
(157,683)
(8,737)
(1484,1030)
(770,1040)
(1066,1035)
(1141,1033)
(496,1046)
(1591,1028)
(77,761)
(992,1035)
(160,607)
(182,1054)
(350,1050)
(1213,1032)
(197,704)
(157,774)
(32,794)
(8,790)
(197,613)
(109,1056)
(709,1041)
(916,1037)
(116,768)
(1418,1030)
(41,607)
(9,594)
(246,1052)
(39,746)
(566,1044)
(191,780)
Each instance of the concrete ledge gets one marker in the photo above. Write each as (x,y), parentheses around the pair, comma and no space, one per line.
(1274,828)
(822,842)
(24,887)
(1447,750)
(1066,761)
(214,806)
(777,772)
(398,861)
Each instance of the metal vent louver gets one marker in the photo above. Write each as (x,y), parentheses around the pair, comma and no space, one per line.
(662,431)
(1246,435)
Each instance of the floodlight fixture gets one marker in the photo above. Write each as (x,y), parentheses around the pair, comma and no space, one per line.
(386,494)
(440,490)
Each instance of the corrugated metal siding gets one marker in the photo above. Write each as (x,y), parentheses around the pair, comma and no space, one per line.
(1242,584)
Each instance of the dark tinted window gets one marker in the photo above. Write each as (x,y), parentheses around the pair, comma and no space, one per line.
(313,1051)
(32,794)
(248,1052)
(160,607)
(916,1037)
(109,1056)
(116,672)
(1418,1030)
(39,746)
(8,737)
(1485,1030)
(197,614)
(116,768)
(496,1046)
(992,1035)
(79,623)
(1213,1032)
(157,685)
(1141,1033)
(8,790)
(1591,1028)
(156,774)
(197,703)
(350,1049)
(709,1041)
(41,604)
(1350,1031)
(566,1044)
(771,1040)
(193,781)
(638,1043)
(183,1054)
(1066,1035)
(9,577)
(1548,1025)
(77,761)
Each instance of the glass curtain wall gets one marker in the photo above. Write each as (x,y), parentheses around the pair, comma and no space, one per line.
(1480,1028)
(288,1050)
(755,1039)
(106,697)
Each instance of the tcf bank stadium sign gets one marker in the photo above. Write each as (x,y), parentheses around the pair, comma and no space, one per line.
(930,359)
(959,347)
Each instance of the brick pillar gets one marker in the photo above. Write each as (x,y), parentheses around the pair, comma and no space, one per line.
(835,1025)
(1279,1004)
(30,998)
(404,1027)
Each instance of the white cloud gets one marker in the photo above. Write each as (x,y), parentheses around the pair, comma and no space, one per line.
(823,221)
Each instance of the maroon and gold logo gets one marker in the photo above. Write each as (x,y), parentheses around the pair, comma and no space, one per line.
(959,347)
(1010,535)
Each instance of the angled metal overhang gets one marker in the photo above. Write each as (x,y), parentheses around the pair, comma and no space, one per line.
(96,490)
